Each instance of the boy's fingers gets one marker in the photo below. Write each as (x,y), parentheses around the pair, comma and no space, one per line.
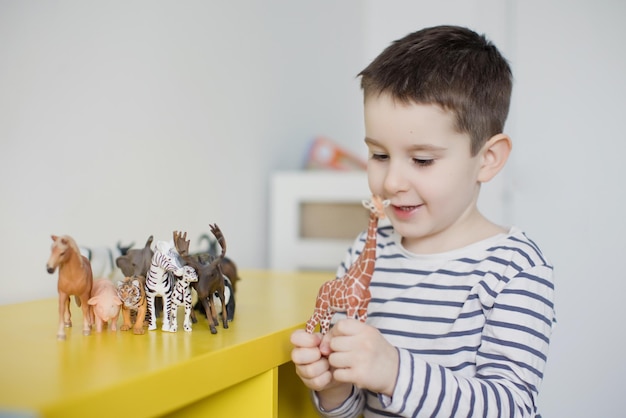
(325,343)
(305,355)
(319,382)
(301,338)
(347,327)
(343,328)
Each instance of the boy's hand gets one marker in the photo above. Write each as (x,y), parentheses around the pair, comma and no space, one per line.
(359,354)
(314,369)
(311,366)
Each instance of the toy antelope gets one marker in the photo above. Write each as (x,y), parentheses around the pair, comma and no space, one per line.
(75,279)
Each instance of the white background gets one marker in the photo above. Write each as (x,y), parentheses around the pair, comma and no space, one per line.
(123,119)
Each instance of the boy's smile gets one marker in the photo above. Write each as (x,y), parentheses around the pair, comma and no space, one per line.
(423,165)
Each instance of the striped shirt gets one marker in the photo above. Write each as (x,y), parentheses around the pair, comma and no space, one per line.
(472,328)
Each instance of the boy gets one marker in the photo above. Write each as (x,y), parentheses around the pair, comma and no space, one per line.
(461,311)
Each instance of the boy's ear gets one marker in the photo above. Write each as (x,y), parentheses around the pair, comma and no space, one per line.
(494,155)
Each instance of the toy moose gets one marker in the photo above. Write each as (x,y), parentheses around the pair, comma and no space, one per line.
(229,268)
(210,276)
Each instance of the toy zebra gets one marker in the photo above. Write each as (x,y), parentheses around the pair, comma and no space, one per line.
(160,282)
(182,294)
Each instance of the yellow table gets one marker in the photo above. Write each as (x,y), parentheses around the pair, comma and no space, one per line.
(242,371)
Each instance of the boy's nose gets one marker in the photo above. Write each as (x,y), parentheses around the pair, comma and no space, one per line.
(396,179)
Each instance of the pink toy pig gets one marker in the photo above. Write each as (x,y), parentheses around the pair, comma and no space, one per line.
(105,303)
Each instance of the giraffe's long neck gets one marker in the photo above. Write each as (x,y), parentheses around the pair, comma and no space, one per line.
(367,258)
(372,229)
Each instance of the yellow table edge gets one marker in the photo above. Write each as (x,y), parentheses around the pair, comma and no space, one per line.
(181,383)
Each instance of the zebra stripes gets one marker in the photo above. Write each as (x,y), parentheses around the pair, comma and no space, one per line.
(180,295)
(160,281)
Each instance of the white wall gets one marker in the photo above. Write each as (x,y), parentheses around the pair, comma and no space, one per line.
(564,181)
(569,189)
(124,119)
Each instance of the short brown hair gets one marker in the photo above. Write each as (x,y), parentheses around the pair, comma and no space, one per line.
(452,67)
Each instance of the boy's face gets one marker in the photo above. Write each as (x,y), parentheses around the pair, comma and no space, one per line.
(423,165)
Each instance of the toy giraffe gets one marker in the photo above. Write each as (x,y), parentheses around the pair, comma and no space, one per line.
(351,292)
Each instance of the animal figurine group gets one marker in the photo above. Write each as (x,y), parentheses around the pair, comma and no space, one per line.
(166,274)
(350,293)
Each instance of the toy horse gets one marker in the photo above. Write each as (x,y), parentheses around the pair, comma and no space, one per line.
(350,293)
(75,278)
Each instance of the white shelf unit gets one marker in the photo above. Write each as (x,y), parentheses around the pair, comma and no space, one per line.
(290,192)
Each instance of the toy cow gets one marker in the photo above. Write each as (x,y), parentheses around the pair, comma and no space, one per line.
(105,304)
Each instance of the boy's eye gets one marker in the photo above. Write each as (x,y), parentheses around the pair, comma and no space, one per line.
(379,157)
(423,162)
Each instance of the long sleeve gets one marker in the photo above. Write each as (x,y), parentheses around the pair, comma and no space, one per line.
(350,408)
(509,362)
(472,328)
